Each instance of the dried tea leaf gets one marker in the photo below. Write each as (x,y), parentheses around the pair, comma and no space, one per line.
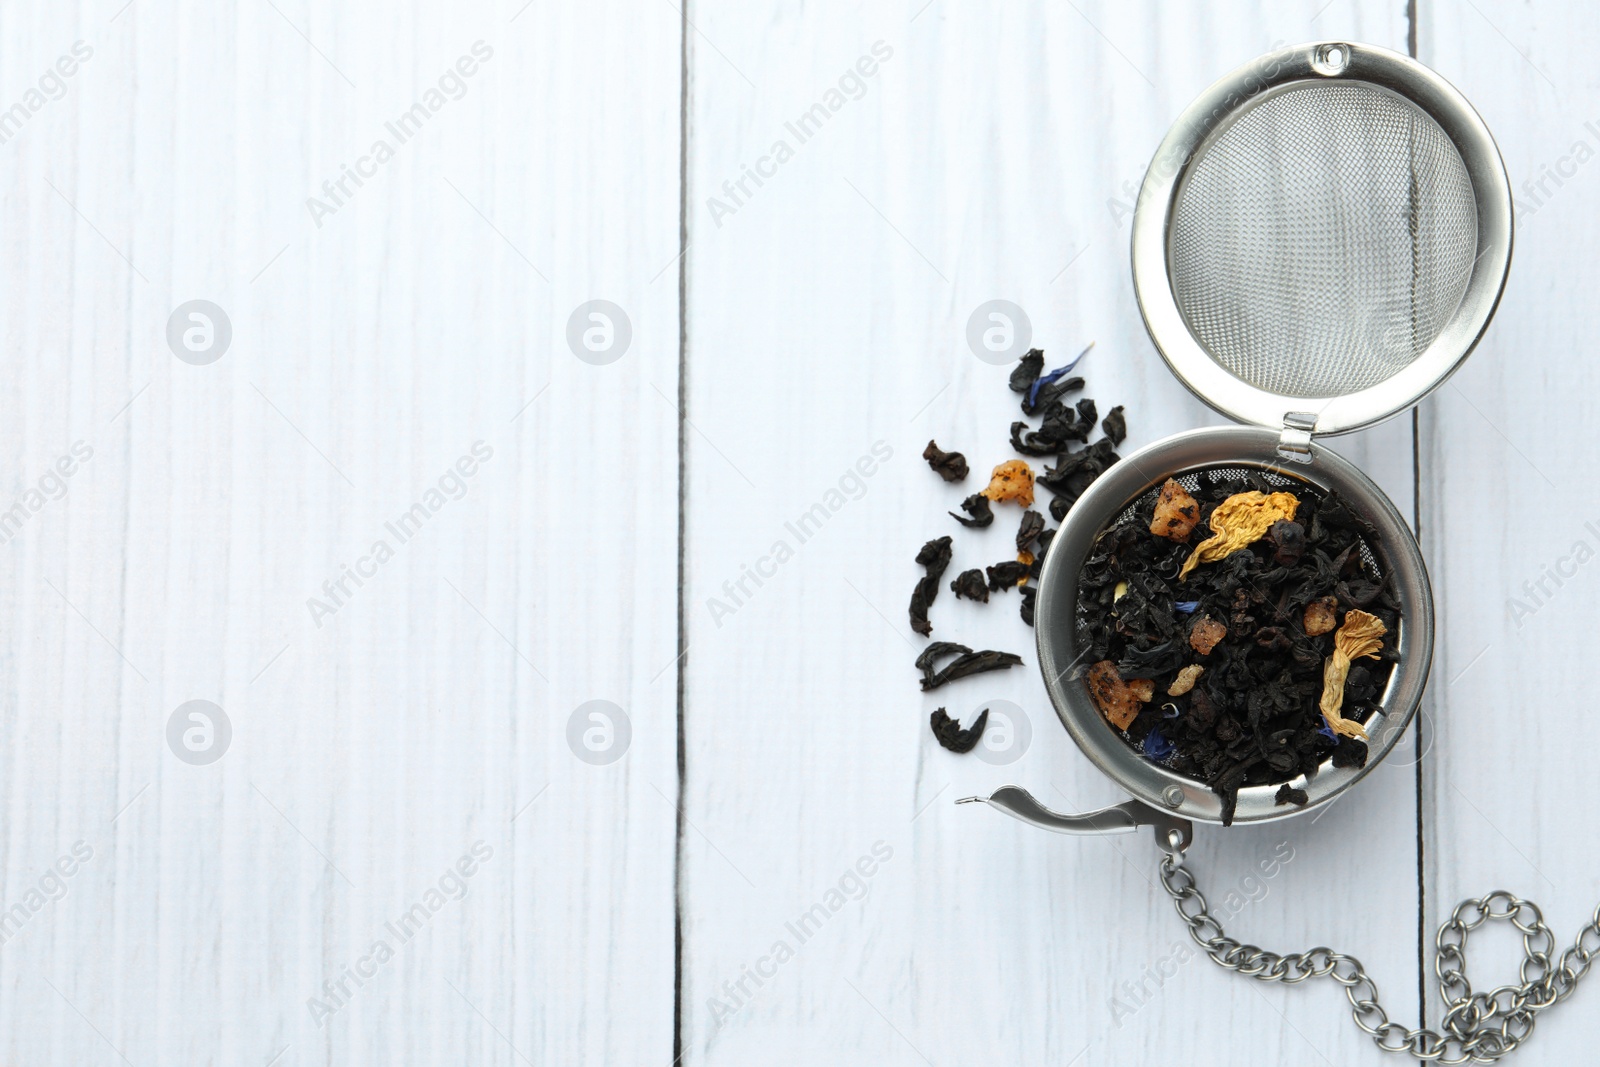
(934,557)
(1027,371)
(1361,635)
(1032,526)
(1117,700)
(1012,480)
(966,663)
(976,505)
(1177,513)
(970,584)
(950,734)
(1029,593)
(1007,575)
(1322,615)
(1185,680)
(1288,540)
(1287,794)
(1115,425)
(1238,522)
(1205,633)
(951,466)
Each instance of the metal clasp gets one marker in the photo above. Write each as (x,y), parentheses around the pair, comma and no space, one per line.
(1294,443)
(1124,818)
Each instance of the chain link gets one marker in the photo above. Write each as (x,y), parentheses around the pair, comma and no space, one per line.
(1476,1028)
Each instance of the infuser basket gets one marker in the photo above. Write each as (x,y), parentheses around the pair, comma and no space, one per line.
(1320,241)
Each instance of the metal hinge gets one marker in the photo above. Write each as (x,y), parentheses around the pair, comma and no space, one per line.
(1294,443)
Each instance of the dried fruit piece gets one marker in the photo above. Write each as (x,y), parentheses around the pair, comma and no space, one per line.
(1238,522)
(1177,513)
(950,734)
(1185,680)
(976,505)
(1012,480)
(951,466)
(1360,635)
(1322,615)
(1116,699)
(1205,633)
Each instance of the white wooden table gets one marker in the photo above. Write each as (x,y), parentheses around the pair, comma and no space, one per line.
(401,766)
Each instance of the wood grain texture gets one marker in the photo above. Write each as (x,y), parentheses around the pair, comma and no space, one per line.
(1512,433)
(827,314)
(369,354)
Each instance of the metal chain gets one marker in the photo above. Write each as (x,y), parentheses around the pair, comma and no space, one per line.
(1470,1031)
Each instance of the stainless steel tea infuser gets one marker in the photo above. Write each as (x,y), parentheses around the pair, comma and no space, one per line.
(1320,241)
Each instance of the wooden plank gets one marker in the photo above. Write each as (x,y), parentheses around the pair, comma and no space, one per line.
(1509,432)
(416,321)
(980,159)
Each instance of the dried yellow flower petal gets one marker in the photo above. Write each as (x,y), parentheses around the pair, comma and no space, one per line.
(1360,635)
(1026,559)
(1185,680)
(1238,522)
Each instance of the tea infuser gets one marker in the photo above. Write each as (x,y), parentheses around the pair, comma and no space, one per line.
(1320,241)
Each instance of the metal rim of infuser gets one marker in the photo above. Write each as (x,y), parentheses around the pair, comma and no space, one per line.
(1302,189)
(1062,656)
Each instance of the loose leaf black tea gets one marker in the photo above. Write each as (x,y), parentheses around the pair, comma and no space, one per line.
(1007,575)
(966,663)
(970,584)
(1114,425)
(976,505)
(951,466)
(1288,794)
(934,557)
(1027,533)
(1235,652)
(950,734)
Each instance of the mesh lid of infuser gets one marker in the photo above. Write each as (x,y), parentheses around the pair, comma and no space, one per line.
(1325,231)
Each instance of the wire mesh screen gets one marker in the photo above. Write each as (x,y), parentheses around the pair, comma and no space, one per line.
(1323,240)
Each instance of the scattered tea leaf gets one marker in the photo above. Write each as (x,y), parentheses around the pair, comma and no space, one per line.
(966,663)
(934,557)
(1027,370)
(976,505)
(1027,533)
(1115,425)
(1288,794)
(970,584)
(950,734)
(1007,575)
(951,466)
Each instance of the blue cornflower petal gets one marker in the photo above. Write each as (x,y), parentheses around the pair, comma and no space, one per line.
(1325,732)
(1054,376)
(1188,607)
(1157,747)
